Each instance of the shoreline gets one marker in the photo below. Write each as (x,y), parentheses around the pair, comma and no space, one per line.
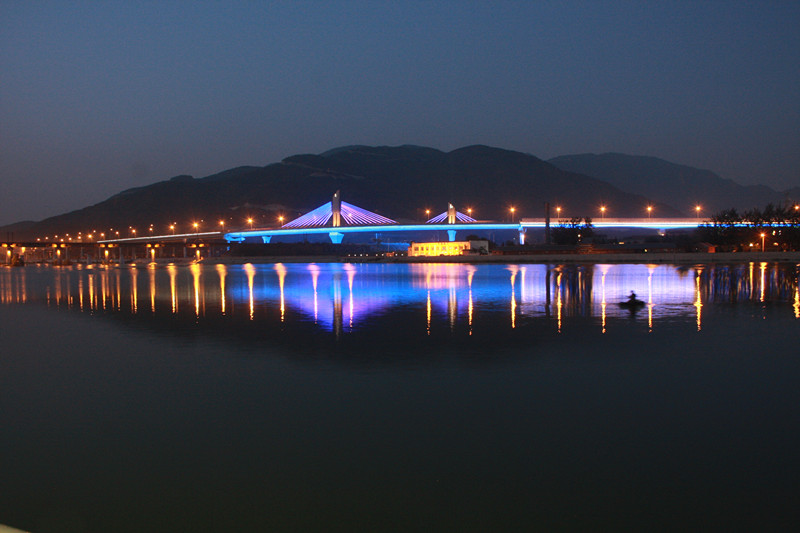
(635,258)
(677,258)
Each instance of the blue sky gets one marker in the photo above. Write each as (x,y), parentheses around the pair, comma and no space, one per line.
(96,97)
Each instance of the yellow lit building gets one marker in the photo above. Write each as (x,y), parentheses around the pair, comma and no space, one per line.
(418,249)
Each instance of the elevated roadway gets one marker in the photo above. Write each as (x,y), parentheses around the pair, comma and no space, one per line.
(336,234)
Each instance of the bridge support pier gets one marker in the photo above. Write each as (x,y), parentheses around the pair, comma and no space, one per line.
(266,238)
(336,237)
(451,234)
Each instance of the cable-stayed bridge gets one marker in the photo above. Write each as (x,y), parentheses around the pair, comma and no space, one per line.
(337,219)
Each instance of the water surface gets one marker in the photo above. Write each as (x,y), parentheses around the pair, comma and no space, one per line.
(398,397)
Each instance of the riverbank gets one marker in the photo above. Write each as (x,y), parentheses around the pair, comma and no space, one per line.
(649,258)
(677,258)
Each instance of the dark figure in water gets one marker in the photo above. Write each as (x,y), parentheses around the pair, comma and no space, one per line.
(632,297)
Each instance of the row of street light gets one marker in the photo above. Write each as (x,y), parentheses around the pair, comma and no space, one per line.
(93,235)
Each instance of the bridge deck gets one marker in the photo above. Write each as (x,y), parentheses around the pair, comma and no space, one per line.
(525,223)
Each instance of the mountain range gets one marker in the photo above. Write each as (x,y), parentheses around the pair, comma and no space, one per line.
(403,182)
(679,186)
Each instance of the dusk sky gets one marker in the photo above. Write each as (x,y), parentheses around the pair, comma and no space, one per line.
(97,97)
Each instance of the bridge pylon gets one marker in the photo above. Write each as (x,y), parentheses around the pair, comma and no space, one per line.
(336,210)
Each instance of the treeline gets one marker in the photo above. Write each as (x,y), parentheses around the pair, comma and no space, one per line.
(572,231)
(777,227)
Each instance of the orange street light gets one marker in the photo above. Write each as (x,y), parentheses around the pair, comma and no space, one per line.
(195,225)
(603,211)
(280,219)
(762,241)
(469,211)
(697,210)
(511,210)
(172,227)
(558,211)
(250,221)
(222,224)
(649,210)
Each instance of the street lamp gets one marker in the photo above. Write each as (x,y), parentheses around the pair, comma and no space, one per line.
(763,235)
(697,210)
(649,210)
(172,227)
(427,214)
(469,211)
(280,219)
(558,212)
(222,224)
(603,211)
(512,213)
(195,225)
(250,221)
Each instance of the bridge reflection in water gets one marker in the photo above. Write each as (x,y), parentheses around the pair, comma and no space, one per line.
(344,298)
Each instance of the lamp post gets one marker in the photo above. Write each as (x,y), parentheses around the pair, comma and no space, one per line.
(280,220)
(697,211)
(172,227)
(195,225)
(649,211)
(603,211)
(250,222)
(558,212)
(512,209)
(763,236)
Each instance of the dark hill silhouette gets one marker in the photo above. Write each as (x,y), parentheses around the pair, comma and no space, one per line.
(792,195)
(398,182)
(679,186)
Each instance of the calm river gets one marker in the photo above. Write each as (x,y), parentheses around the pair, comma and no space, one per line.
(383,397)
